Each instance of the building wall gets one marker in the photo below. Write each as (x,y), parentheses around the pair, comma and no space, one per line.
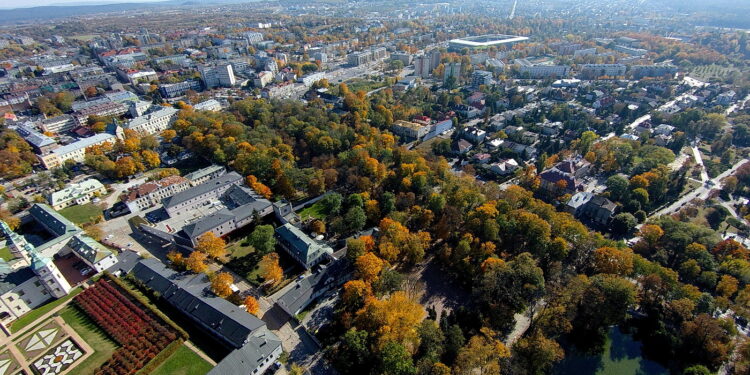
(23,298)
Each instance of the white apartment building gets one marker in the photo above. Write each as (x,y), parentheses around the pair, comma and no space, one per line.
(218,76)
(58,124)
(75,151)
(154,121)
(151,193)
(76,193)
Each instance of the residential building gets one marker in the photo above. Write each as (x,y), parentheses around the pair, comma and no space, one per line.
(107,108)
(208,105)
(75,151)
(263,79)
(452,70)
(200,195)
(473,134)
(481,77)
(410,131)
(655,70)
(541,70)
(307,251)
(41,143)
(77,193)
(584,52)
(58,124)
(154,121)
(139,107)
(594,71)
(726,98)
(304,292)
(150,194)
(630,51)
(204,174)
(172,90)
(253,347)
(218,76)
(504,167)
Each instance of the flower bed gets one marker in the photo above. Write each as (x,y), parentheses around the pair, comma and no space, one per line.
(140,335)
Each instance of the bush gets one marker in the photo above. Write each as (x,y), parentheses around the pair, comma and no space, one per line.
(161,357)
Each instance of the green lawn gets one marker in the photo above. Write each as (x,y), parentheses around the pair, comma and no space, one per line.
(183,362)
(33,315)
(6,254)
(359,84)
(240,248)
(82,214)
(93,335)
(315,211)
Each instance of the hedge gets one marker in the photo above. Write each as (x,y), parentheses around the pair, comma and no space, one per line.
(145,302)
(161,357)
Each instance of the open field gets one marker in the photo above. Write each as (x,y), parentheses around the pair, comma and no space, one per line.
(183,362)
(82,214)
(93,335)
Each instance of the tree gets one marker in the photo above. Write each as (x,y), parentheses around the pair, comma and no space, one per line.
(12,221)
(354,352)
(332,203)
(259,188)
(605,303)
(318,226)
(251,305)
(150,159)
(178,261)
(395,360)
(211,244)
(697,370)
(482,355)
(270,270)
(368,267)
(262,239)
(355,293)
(355,219)
(727,286)
(513,285)
(196,262)
(432,340)
(536,354)
(705,341)
(221,284)
(613,260)
(623,223)
(125,167)
(394,318)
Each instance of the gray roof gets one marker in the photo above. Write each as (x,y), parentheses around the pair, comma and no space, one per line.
(243,360)
(34,137)
(52,220)
(203,172)
(306,290)
(190,295)
(303,247)
(148,117)
(88,248)
(183,196)
(206,223)
(126,261)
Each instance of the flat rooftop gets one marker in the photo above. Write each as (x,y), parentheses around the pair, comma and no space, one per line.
(484,41)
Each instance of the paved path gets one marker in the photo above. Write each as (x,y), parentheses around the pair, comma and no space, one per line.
(43,318)
(699,160)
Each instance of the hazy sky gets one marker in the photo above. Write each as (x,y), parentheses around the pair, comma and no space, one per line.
(6,4)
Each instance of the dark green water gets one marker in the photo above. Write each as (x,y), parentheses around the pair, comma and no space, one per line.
(621,356)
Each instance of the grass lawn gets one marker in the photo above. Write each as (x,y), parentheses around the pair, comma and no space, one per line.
(93,335)
(315,211)
(183,362)
(82,213)
(358,84)
(6,254)
(240,248)
(33,315)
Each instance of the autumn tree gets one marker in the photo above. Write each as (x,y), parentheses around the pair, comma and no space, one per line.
(481,355)
(270,270)
(368,267)
(259,187)
(177,260)
(196,262)
(535,354)
(394,318)
(613,260)
(211,244)
(251,305)
(221,284)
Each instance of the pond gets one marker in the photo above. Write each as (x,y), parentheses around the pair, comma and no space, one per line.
(621,356)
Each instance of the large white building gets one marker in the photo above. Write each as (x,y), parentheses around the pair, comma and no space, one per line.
(154,121)
(76,193)
(592,71)
(150,194)
(75,151)
(218,76)
(481,42)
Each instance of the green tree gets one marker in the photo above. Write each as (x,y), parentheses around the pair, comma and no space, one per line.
(262,239)
(395,360)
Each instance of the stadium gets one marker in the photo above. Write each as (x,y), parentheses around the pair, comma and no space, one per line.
(481,42)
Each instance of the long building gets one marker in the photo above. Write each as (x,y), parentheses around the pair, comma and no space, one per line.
(154,121)
(149,194)
(253,347)
(200,195)
(77,193)
(481,42)
(75,151)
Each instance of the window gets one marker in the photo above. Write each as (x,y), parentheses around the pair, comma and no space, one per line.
(10,299)
(21,293)
(37,284)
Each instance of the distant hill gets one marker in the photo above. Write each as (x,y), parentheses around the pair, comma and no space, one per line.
(43,13)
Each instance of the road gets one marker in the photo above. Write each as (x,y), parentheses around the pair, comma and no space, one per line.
(699,161)
(700,193)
